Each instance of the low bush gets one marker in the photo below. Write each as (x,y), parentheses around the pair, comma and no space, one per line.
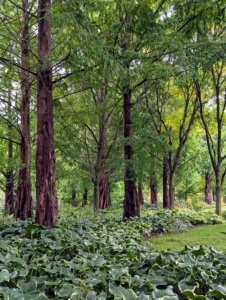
(86,258)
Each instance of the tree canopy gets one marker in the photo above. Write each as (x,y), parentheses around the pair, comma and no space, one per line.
(96,93)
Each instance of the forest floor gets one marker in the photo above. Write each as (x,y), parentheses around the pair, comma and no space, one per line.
(99,257)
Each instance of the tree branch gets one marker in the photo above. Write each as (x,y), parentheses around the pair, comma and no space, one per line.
(8,61)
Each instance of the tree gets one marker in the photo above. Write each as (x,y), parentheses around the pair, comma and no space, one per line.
(24,209)
(47,207)
(208,189)
(215,141)
(204,30)
(9,174)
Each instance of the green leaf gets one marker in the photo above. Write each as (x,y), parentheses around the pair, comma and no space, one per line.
(117,271)
(158,280)
(91,296)
(121,292)
(68,290)
(4,275)
(31,229)
(192,295)
(144,297)
(184,285)
(27,287)
(189,260)
(198,250)
(219,291)
(166,294)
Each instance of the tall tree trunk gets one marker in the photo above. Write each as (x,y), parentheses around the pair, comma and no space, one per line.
(9,189)
(208,189)
(96,184)
(154,196)
(23,209)
(85,197)
(105,199)
(171,190)
(140,195)
(131,205)
(99,162)
(9,195)
(165,184)
(47,208)
(218,192)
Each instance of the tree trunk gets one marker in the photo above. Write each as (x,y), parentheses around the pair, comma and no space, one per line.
(73,198)
(85,197)
(104,198)
(23,209)
(165,184)
(208,189)
(9,189)
(100,158)
(96,184)
(131,205)
(9,193)
(96,180)
(171,190)
(140,195)
(154,197)
(47,208)
(218,192)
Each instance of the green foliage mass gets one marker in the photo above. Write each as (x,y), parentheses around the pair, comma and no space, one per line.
(103,258)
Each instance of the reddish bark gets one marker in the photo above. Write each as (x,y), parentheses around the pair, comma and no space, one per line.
(208,189)
(140,195)
(104,198)
(23,209)
(47,208)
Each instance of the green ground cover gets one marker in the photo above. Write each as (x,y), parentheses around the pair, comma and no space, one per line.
(89,257)
(211,235)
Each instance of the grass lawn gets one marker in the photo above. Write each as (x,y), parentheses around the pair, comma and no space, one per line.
(211,235)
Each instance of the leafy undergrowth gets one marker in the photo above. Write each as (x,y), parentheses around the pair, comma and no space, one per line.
(103,258)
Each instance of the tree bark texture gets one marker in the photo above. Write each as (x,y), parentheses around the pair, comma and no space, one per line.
(218,192)
(131,205)
(171,190)
(208,189)
(9,197)
(140,195)
(165,184)
(46,208)
(154,196)
(104,198)
(23,209)
(99,163)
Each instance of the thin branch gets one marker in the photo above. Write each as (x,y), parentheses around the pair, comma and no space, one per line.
(159,7)
(9,140)
(21,8)
(8,61)
(196,15)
